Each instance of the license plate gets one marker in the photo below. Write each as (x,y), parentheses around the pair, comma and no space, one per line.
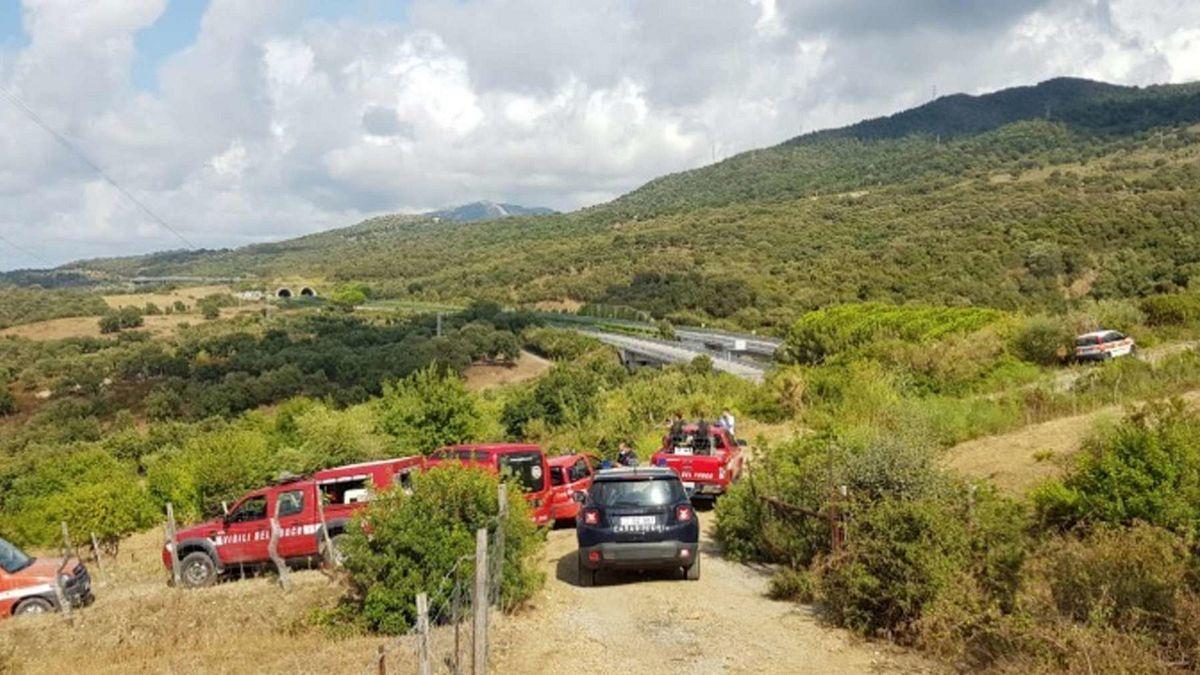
(638,522)
(689,486)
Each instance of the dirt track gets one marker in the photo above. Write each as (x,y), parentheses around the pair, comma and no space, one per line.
(657,624)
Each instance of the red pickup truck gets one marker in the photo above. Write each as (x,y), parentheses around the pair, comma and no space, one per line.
(241,538)
(707,464)
(524,463)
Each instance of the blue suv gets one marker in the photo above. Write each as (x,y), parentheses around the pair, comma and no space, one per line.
(636,519)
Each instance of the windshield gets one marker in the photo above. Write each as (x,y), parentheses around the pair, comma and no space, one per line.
(525,468)
(630,493)
(13,559)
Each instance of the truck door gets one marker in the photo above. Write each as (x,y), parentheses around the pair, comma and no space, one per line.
(247,532)
(296,514)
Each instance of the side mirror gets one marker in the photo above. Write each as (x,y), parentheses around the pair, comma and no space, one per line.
(579,497)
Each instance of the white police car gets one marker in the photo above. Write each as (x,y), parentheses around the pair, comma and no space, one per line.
(1103,345)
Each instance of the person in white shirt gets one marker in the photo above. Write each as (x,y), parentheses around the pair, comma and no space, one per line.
(728,421)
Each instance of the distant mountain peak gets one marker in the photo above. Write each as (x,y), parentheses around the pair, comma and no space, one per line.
(487,210)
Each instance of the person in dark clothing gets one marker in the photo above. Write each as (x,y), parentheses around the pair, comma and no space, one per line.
(703,442)
(627,456)
(677,425)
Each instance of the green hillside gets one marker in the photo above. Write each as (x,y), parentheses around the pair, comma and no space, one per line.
(1033,197)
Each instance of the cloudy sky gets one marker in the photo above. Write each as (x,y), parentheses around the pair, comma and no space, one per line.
(240,121)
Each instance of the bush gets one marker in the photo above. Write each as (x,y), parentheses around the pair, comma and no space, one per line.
(790,584)
(820,335)
(417,539)
(1177,309)
(902,556)
(428,410)
(8,403)
(1127,578)
(1147,469)
(117,320)
(1043,340)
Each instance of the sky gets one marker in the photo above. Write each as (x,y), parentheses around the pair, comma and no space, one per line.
(233,121)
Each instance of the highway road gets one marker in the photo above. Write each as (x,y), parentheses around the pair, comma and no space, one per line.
(670,352)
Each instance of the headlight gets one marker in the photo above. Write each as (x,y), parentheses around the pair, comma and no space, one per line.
(64,579)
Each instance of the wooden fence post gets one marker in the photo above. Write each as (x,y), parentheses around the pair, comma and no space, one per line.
(423,634)
(273,552)
(381,659)
(480,637)
(172,544)
(99,560)
(498,562)
(59,592)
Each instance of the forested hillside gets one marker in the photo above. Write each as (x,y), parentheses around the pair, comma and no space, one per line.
(1033,197)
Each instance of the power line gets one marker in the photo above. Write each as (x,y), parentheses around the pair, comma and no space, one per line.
(26,251)
(66,143)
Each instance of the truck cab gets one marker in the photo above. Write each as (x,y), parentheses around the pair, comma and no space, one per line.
(27,583)
(525,464)
(707,463)
(570,474)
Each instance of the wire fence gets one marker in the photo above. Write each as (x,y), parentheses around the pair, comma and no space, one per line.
(454,613)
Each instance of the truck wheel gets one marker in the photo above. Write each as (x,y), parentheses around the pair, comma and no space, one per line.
(197,570)
(338,542)
(34,606)
(692,572)
(587,578)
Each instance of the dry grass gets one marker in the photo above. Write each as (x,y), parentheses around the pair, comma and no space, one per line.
(486,376)
(141,625)
(1019,460)
(162,299)
(89,326)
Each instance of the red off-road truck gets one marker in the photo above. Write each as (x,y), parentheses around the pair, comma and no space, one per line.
(706,463)
(241,538)
(27,583)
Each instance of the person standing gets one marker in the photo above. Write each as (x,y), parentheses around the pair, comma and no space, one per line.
(728,421)
(627,455)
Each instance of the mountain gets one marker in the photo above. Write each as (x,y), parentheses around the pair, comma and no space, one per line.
(966,200)
(484,210)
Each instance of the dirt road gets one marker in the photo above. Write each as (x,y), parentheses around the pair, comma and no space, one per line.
(658,624)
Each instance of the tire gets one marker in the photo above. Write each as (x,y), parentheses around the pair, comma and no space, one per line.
(339,556)
(197,570)
(587,578)
(34,606)
(692,572)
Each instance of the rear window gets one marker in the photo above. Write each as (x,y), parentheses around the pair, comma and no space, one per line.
(1087,341)
(525,468)
(632,493)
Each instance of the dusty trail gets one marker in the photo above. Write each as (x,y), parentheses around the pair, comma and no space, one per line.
(656,624)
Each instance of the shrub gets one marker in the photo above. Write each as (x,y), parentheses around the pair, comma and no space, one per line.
(8,403)
(902,556)
(120,319)
(1147,469)
(1127,578)
(1043,340)
(790,584)
(428,410)
(834,330)
(417,539)
(1177,309)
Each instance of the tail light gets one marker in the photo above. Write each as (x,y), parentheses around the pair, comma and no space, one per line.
(591,517)
(683,514)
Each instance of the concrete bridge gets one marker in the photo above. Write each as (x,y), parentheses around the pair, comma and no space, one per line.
(643,351)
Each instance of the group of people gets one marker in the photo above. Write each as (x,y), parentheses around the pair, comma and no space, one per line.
(627,456)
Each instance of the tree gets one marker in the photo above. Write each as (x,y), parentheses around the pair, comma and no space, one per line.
(428,410)
(350,295)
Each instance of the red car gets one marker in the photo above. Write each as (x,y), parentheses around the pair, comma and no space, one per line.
(570,474)
(525,463)
(707,465)
(241,537)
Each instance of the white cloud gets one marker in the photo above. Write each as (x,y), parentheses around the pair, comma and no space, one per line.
(274,123)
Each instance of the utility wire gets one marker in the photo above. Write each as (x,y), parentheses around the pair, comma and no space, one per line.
(26,251)
(66,143)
